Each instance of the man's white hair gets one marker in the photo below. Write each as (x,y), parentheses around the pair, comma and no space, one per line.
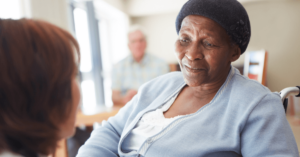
(135,28)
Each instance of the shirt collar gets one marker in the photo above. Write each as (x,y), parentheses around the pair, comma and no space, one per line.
(143,61)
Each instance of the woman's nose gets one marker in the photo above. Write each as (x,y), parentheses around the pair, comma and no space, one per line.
(194,53)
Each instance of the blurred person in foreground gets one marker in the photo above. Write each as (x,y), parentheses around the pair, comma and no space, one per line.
(208,109)
(136,69)
(39,94)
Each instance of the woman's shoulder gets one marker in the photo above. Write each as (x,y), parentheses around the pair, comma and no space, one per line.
(241,82)
(251,91)
(161,87)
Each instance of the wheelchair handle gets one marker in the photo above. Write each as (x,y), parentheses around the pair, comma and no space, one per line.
(286,91)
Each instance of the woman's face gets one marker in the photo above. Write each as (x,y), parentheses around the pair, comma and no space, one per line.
(68,128)
(204,51)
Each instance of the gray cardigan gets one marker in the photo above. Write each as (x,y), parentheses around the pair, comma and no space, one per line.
(243,119)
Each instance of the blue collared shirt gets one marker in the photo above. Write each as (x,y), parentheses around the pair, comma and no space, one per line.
(129,74)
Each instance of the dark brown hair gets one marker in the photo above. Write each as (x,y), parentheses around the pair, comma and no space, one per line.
(37,62)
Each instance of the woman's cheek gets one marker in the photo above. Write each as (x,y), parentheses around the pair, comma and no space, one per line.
(179,50)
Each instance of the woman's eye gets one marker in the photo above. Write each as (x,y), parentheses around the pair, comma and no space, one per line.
(208,44)
(184,40)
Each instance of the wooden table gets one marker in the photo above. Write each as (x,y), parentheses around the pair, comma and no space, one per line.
(86,120)
(89,120)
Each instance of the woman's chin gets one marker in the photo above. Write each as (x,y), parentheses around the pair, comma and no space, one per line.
(193,80)
(67,133)
(71,133)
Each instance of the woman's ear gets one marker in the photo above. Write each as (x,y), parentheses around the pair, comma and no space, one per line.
(236,53)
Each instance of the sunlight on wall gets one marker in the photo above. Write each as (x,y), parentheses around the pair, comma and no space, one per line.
(82,32)
(88,96)
(10,9)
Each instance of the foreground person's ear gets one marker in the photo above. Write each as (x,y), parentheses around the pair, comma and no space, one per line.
(236,53)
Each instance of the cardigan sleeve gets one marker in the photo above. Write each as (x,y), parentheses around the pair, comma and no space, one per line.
(105,139)
(267,131)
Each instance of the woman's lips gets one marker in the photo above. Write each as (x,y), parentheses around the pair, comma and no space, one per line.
(192,70)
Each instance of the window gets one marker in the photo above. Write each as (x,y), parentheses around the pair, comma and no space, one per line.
(101,31)
(113,27)
(87,35)
(10,9)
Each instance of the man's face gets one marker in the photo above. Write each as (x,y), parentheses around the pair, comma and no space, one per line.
(137,44)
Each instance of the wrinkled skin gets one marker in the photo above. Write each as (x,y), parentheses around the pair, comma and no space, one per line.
(204,52)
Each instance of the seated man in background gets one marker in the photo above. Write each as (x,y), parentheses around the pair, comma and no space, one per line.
(139,67)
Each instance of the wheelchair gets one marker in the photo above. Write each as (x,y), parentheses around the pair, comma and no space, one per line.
(286,92)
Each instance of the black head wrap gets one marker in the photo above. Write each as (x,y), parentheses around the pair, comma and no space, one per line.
(230,14)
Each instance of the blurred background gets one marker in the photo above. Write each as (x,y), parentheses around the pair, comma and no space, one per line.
(101,27)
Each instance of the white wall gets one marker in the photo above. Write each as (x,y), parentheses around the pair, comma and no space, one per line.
(275,27)
(152,7)
(161,34)
(58,11)
(118,4)
(137,8)
(53,11)
(114,25)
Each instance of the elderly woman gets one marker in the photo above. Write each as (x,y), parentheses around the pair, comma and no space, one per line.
(39,94)
(209,109)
